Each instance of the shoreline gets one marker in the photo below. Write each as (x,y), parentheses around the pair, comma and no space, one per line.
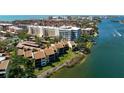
(86,56)
(79,59)
(80,62)
(70,63)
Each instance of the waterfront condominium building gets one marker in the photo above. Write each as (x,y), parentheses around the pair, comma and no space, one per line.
(35,30)
(50,31)
(43,31)
(69,33)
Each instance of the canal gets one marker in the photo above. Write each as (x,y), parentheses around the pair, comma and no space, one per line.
(107,56)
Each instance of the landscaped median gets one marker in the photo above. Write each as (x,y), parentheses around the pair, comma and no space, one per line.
(67,60)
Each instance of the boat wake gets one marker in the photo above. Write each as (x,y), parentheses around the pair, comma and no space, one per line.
(118,33)
(114,35)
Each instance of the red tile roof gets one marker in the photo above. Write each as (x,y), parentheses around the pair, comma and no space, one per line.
(20,52)
(49,51)
(59,45)
(4,64)
(54,47)
(28,53)
(39,55)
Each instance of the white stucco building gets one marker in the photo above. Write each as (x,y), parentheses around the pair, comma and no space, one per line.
(35,30)
(67,32)
(14,29)
(43,31)
(70,33)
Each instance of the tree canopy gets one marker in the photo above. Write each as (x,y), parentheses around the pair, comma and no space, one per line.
(21,67)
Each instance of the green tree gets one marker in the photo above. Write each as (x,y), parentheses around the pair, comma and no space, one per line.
(8,34)
(21,67)
(38,40)
(23,35)
(3,45)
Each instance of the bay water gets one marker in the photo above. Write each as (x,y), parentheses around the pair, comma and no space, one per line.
(107,56)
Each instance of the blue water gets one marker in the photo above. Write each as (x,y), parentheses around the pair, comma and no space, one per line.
(21,17)
(107,56)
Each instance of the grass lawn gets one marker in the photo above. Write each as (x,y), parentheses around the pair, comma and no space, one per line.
(62,59)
